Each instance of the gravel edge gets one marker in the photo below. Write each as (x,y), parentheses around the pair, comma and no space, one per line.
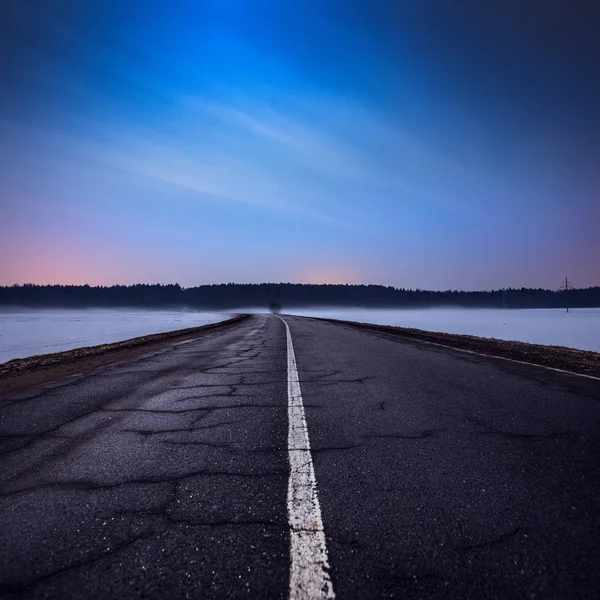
(581,362)
(20,366)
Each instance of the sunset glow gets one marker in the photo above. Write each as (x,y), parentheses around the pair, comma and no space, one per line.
(443,145)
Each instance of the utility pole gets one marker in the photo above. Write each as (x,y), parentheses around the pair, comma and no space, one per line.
(566,286)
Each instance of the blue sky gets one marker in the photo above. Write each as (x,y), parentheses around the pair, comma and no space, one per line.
(437,144)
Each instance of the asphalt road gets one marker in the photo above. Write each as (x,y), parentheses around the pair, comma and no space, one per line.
(440,474)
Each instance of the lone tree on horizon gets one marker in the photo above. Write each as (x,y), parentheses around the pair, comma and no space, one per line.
(274,307)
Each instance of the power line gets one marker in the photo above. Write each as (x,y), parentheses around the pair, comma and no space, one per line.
(566,286)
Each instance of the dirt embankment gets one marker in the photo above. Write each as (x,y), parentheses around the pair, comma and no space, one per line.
(23,373)
(557,357)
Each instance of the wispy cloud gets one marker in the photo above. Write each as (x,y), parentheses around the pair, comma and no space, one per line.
(297,154)
(349,144)
(309,142)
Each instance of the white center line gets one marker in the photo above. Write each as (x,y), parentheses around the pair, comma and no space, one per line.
(309,568)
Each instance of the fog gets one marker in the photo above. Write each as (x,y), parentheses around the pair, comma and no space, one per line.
(580,328)
(25,332)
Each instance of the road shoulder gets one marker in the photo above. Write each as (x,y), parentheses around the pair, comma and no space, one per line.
(26,373)
(571,360)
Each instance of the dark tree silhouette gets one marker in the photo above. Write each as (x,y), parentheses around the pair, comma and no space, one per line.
(232,296)
(275,308)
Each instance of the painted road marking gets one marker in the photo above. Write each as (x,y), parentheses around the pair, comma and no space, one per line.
(309,566)
(186,342)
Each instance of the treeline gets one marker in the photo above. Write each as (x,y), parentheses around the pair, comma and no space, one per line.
(235,295)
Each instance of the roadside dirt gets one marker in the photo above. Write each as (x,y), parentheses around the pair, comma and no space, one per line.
(25,373)
(557,357)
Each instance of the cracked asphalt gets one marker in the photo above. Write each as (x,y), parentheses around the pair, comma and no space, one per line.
(440,474)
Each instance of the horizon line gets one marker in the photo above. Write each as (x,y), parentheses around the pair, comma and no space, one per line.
(231,283)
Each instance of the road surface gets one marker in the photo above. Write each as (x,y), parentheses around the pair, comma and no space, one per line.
(186,473)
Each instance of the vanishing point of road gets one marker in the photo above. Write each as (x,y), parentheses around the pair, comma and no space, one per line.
(296,458)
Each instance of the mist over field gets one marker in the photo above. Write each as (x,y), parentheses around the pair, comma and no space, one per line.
(580,328)
(28,332)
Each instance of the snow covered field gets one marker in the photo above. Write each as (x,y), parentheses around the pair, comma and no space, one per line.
(25,332)
(579,328)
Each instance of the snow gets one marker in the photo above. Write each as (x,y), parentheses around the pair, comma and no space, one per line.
(25,332)
(580,328)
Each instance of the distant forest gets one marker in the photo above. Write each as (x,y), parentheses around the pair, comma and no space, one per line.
(235,296)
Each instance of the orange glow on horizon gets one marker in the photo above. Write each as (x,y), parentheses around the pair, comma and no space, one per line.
(45,262)
(328,276)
